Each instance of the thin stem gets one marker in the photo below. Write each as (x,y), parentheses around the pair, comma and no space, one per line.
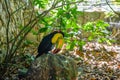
(69,3)
(7,29)
(17,10)
(112,9)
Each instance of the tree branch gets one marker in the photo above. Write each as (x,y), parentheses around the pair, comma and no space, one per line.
(69,3)
(7,28)
(112,9)
(17,10)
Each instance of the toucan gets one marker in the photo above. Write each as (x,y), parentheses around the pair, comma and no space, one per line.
(52,42)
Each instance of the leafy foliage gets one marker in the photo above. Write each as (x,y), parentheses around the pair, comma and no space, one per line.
(40,3)
(97,29)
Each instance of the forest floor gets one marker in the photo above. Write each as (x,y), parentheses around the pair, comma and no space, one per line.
(95,62)
(99,62)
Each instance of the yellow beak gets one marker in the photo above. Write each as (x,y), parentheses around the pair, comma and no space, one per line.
(60,43)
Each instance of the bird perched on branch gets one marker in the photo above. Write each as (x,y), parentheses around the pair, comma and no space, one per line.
(51,42)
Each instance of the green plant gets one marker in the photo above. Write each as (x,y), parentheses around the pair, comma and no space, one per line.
(89,32)
(98,30)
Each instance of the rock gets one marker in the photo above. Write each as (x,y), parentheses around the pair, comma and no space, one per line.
(52,67)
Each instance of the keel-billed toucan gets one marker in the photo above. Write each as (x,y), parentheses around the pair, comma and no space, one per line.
(50,41)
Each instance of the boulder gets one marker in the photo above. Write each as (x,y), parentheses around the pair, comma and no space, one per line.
(52,67)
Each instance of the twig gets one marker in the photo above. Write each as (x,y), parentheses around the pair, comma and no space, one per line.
(112,9)
(116,34)
(7,29)
(17,10)
(69,3)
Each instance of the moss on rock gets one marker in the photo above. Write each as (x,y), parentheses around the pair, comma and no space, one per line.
(52,67)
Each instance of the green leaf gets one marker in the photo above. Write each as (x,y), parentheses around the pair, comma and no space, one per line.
(72,45)
(34,32)
(23,71)
(108,42)
(40,3)
(41,30)
(81,43)
(60,12)
(88,26)
(90,38)
(27,42)
(68,15)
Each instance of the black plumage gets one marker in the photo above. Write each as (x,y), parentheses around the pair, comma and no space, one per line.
(46,45)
